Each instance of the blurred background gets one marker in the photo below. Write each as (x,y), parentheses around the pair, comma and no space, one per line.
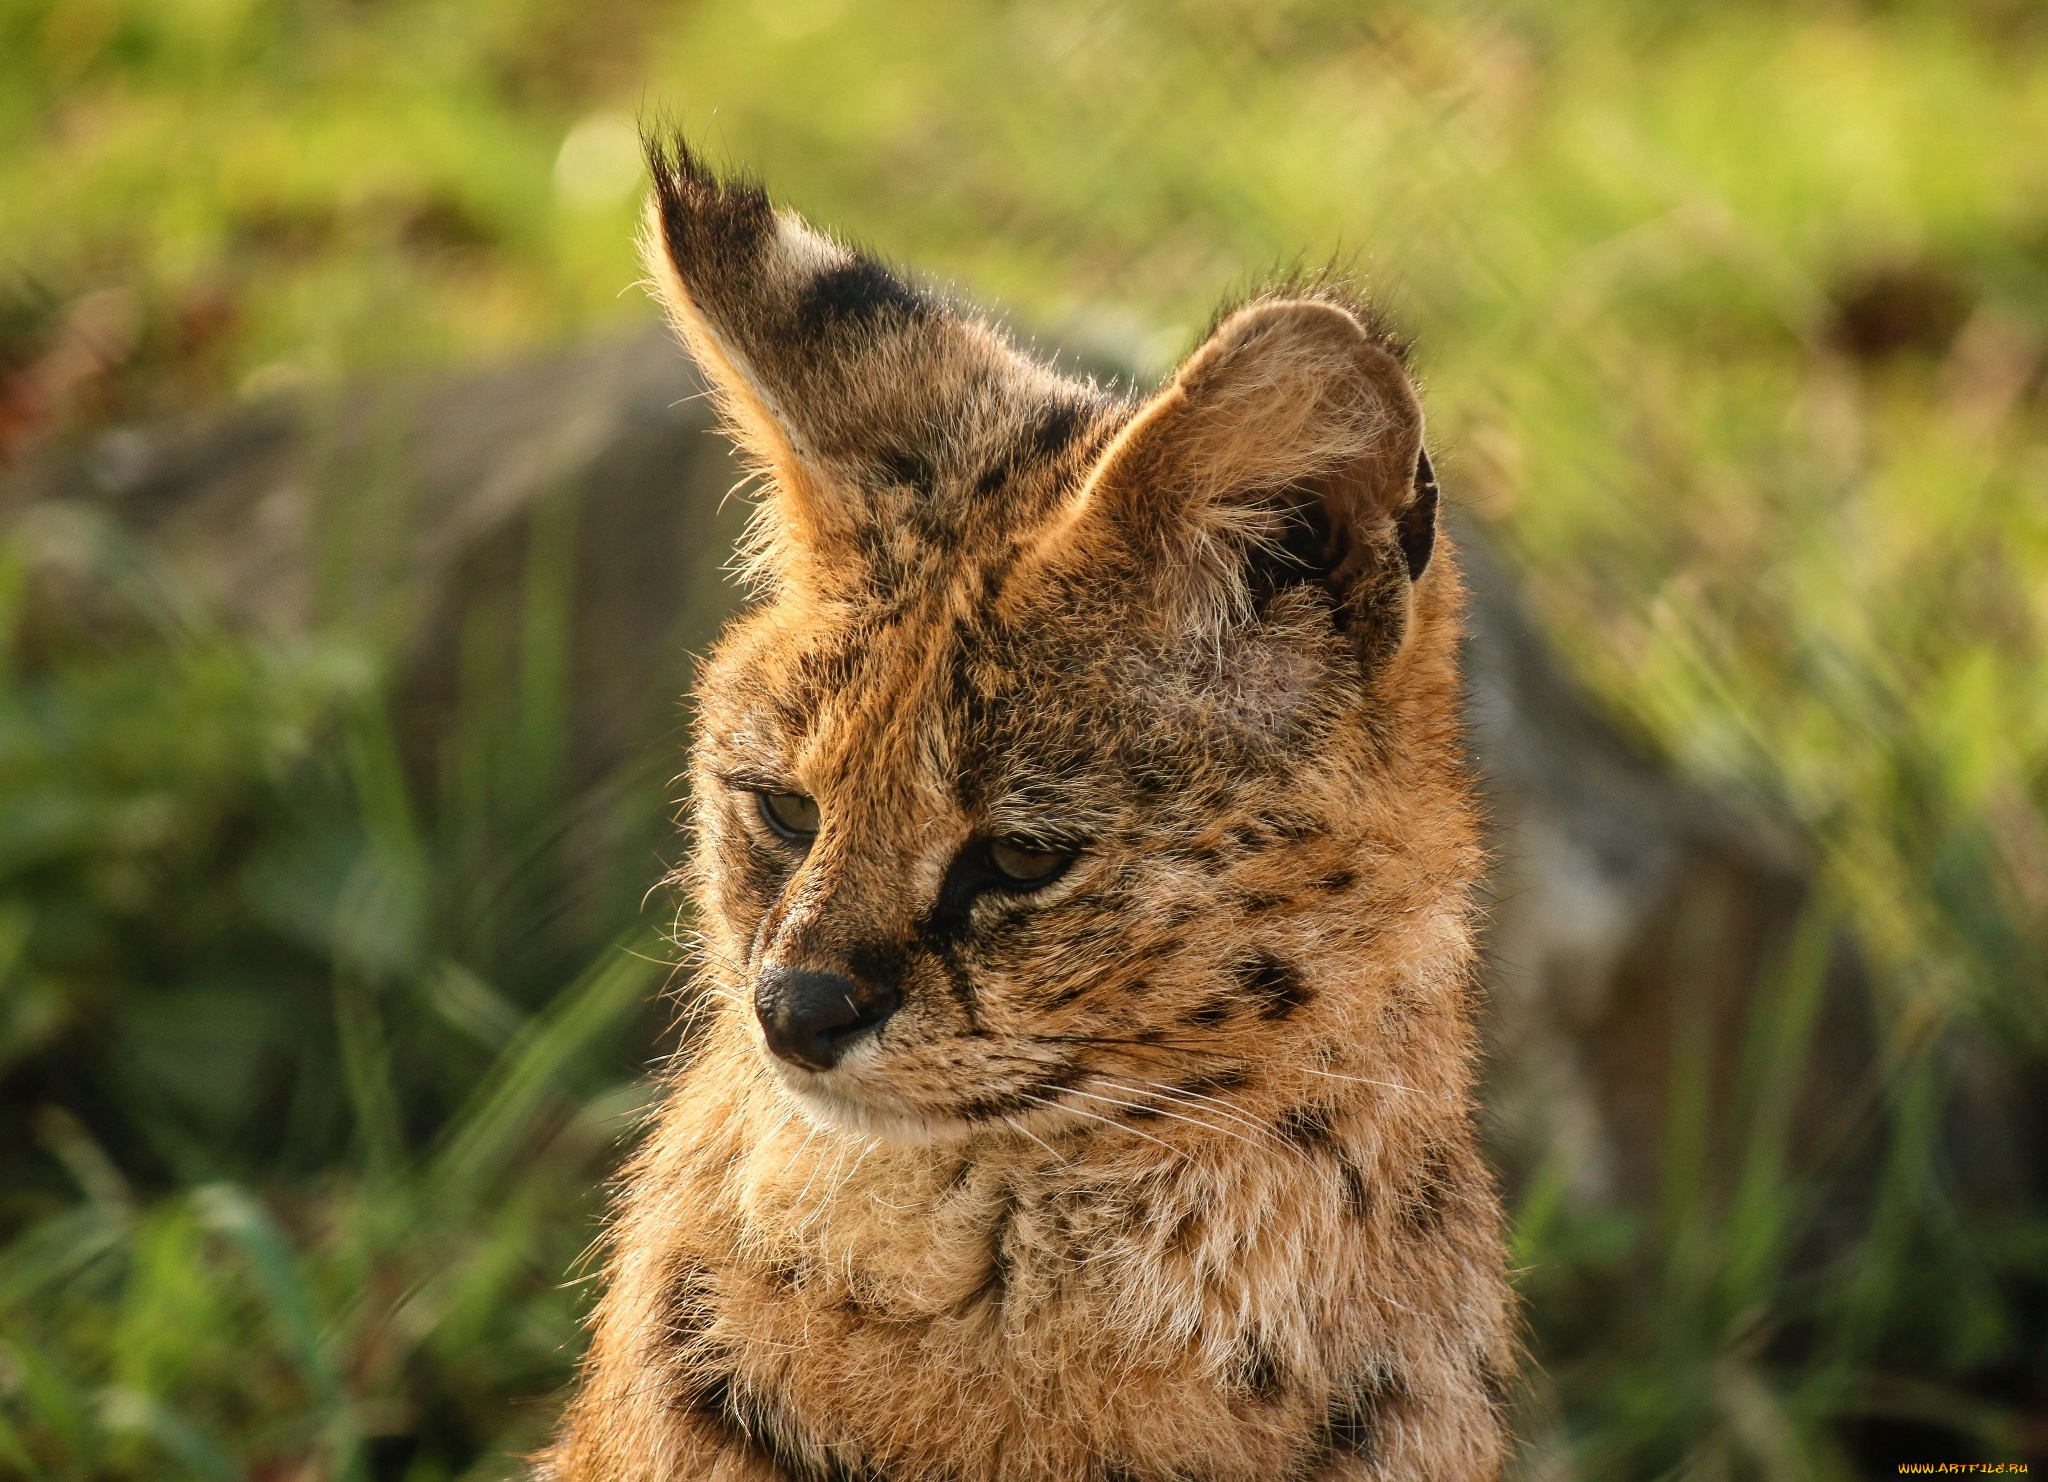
(357,527)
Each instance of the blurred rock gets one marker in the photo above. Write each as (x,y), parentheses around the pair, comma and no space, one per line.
(1626,907)
(412,512)
(1633,919)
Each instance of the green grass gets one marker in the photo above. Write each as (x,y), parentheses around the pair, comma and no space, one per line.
(273,1006)
(311,1095)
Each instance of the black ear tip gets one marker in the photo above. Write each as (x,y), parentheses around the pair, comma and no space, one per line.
(702,216)
(671,163)
(1417,524)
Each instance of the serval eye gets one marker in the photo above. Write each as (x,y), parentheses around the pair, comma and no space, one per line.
(790,814)
(1027,864)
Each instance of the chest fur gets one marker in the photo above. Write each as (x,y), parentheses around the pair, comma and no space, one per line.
(910,1313)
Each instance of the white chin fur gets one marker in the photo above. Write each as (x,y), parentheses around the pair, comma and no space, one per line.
(831,1110)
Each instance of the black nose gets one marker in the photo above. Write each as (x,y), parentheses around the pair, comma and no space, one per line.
(810,1018)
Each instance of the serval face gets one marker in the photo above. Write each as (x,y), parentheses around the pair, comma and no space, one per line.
(1035,790)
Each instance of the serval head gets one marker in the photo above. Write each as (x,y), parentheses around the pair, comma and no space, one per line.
(1078,750)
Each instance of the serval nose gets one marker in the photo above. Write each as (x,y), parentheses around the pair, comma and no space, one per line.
(812,1018)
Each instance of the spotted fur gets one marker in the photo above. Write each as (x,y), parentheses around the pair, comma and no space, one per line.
(1164,1169)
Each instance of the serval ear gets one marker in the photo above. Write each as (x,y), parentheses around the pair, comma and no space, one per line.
(864,401)
(779,318)
(1286,449)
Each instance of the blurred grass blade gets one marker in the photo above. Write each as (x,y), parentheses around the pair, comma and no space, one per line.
(13,1450)
(547,625)
(136,1413)
(53,1402)
(233,1212)
(1764,1212)
(50,1253)
(367,1071)
(490,1131)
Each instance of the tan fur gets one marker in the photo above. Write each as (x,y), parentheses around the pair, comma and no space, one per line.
(1164,1170)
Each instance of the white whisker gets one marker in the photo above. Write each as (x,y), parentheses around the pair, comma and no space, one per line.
(1232,1113)
(1363,1080)
(1192,1121)
(1018,1127)
(1107,1122)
